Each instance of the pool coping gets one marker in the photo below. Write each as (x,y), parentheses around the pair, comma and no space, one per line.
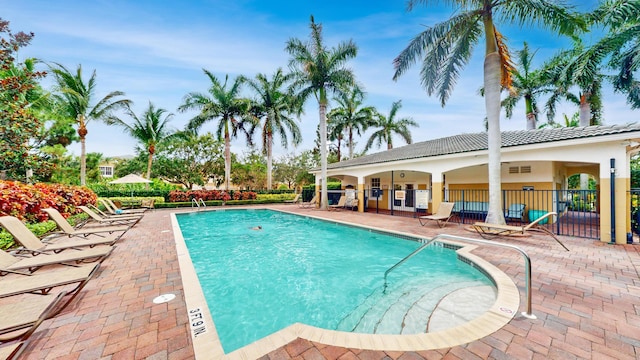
(206,343)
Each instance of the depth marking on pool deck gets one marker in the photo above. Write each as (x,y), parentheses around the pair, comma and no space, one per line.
(207,345)
(196,321)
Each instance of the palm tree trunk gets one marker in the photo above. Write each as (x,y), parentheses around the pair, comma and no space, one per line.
(492,87)
(227,158)
(585,120)
(149,161)
(83,161)
(269,159)
(585,111)
(531,121)
(531,115)
(324,196)
(82,132)
(350,129)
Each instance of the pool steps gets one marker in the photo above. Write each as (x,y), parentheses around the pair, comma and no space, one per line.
(406,308)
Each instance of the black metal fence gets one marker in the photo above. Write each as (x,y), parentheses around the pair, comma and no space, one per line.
(578,210)
(634,195)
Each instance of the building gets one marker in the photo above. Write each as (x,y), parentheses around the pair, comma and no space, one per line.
(540,159)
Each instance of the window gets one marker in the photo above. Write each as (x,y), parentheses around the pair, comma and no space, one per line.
(106,171)
(375,188)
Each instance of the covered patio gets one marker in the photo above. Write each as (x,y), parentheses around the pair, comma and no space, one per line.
(437,170)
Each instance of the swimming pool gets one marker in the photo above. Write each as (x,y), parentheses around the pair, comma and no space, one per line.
(323,274)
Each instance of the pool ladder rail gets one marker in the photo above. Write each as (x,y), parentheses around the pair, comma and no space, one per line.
(197,203)
(527,263)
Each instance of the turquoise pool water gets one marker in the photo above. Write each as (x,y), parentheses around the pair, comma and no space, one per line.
(298,269)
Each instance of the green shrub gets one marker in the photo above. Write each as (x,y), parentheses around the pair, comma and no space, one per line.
(181,204)
(275,197)
(330,186)
(137,200)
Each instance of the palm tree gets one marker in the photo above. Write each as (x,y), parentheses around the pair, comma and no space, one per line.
(389,125)
(562,71)
(448,46)
(150,129)
(573,121)
(223,102)
(335,132)
(275,107)
(319,71)
(619,45)
(527,84)
(350,116)
(78,98)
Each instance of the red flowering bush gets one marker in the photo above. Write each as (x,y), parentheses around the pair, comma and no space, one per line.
(26,201)
(244,195)
(206,195)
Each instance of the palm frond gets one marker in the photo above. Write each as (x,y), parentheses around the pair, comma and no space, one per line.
(554,15)
(616,13)
(447,47)
(507,66)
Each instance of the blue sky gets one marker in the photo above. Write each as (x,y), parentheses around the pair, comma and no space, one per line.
(156,50)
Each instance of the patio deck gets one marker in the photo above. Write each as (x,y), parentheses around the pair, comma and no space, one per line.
(587,302)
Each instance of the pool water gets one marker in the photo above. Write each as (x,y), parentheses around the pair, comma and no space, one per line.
(298,269)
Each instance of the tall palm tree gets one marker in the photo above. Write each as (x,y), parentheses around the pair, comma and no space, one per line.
(78,99)
(350,115)
(319,71)
(223,102)
(275,106)
(389,126)
(448,46)
(149,129)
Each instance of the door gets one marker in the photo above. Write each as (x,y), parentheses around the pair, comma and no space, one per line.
(403,196)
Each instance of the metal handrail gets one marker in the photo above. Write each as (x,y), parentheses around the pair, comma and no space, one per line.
(416,251)
(197,203)
(527,263)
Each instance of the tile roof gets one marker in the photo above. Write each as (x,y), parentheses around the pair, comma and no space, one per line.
(478,141)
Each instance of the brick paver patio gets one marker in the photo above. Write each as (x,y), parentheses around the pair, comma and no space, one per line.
(587,302)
